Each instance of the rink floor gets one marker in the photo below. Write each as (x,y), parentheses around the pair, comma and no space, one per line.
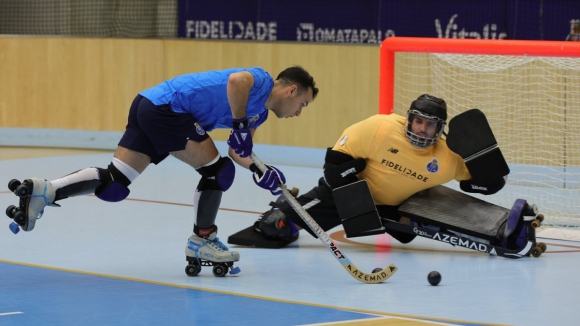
(96,263)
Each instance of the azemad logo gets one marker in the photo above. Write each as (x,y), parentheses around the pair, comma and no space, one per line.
(462,243)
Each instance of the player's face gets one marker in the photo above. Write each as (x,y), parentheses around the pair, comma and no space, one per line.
(293,102)
(424,127)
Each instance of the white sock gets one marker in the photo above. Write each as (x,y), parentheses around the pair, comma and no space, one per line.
(124,168)
(79,176)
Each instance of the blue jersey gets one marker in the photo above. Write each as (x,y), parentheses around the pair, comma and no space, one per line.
(204,96)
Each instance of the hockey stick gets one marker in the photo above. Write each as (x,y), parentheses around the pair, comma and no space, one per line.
(371,278)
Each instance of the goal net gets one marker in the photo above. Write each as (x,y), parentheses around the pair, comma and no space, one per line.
(529,92)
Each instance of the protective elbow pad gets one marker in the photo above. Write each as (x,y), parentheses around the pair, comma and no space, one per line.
(341,169)
(487,189)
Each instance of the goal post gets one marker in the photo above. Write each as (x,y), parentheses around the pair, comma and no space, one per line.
(530,93)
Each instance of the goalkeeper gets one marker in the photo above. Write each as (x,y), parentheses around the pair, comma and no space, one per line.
(398,156)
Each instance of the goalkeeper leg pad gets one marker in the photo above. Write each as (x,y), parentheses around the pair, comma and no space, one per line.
(357,210)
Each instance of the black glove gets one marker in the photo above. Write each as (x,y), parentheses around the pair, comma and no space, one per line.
(489,188)
(341,169)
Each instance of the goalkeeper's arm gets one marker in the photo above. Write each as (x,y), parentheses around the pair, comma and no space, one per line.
(341,169)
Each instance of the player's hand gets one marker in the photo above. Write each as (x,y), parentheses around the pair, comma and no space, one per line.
(240,139)
(272,179)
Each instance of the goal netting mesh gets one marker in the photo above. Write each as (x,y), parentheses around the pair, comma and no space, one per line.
(533,107)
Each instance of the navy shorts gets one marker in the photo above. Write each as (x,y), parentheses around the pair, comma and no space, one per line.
(157,130)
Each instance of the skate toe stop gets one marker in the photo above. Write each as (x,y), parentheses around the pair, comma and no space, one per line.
(14,228)
(235,270)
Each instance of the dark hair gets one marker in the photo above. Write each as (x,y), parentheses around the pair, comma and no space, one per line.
(299,76)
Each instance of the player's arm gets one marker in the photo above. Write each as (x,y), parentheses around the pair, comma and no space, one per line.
(340,165)
(238,91)
(270,180)
(242,161)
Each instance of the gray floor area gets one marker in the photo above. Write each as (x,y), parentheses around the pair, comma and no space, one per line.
(144,236)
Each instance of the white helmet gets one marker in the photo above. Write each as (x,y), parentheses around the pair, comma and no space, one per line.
(431,108)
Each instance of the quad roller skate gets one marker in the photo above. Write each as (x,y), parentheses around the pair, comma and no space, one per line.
(532,220)
(205,252)
(35,194)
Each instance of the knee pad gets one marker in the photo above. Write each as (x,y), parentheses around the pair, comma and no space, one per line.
(274,225)
(218,176)
(114,185)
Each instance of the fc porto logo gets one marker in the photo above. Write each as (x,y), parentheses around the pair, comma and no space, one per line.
(433,166)
(252,120)
(199,129)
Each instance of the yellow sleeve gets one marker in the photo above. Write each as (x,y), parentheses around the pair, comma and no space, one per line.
(357,140)
(462,173)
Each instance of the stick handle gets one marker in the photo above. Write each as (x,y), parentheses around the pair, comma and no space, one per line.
(350,267)
(323,236)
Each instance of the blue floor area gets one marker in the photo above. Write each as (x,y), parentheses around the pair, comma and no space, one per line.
(53,297)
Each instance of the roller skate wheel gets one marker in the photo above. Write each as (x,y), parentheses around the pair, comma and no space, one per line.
(534,209)
(21,191)
(20,218)
(235,270)
(192,270)
(542,246)
(536,251)
(11,210)
(535,224)
(220,270)
(14,228)
(13,184)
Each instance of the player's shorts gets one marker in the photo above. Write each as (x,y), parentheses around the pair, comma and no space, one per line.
(155,130)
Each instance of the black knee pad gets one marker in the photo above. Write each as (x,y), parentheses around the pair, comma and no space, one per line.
(218,176)
(114,185)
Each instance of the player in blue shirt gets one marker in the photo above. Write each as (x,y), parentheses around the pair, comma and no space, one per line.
(174,118)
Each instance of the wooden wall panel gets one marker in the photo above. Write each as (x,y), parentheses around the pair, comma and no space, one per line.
(88,84)
(84,84)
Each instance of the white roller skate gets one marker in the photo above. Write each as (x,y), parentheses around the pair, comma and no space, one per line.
(209,252)
(35,194)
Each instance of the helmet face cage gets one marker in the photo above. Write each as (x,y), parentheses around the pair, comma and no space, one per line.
(418,140)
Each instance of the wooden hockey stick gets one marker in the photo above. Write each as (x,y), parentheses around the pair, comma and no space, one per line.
(371,278)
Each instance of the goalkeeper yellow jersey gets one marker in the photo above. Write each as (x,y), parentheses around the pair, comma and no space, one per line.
(395,169)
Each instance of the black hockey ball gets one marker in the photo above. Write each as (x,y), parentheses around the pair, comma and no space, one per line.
(434,278)
(378,269)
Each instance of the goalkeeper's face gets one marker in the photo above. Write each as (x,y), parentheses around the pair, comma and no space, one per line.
(423,130)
